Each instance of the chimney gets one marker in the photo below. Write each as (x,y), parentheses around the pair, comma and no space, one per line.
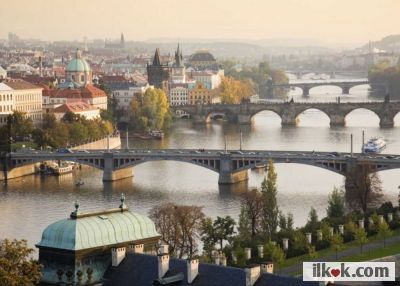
(247,253)
(267,267)
(252,274)
(163,265)
(192,269)
(222,260)
(117,255)
(260,249)
(163,249)
(136,248)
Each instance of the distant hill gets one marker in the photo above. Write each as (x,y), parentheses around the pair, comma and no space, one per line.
(389,43)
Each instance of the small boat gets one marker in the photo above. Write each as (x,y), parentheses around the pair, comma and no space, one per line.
(157,134)
(79,183)
(374,145)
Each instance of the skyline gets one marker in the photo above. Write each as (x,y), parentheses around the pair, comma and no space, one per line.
(329,22)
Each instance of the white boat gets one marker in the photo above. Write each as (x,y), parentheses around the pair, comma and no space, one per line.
(63,169)
(374,145)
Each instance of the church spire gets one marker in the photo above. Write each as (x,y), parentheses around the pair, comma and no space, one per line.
(156,60)
(178,57)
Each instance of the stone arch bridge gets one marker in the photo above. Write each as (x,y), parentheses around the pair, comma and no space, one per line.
(289,111)
(306,86)
(231,165)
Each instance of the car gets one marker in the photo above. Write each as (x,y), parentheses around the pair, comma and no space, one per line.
(334,154)
(82,151)
(161,151)
(237,152)
(252,153)
(390,157)
(64,150)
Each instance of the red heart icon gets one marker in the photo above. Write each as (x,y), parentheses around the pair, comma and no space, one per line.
(335,272)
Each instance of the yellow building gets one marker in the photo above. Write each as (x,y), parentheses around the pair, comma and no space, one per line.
(200,94)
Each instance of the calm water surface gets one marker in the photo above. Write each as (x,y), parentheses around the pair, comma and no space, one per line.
(30,203)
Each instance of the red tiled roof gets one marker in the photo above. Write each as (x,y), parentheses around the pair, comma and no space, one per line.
(78,106)
(88,91)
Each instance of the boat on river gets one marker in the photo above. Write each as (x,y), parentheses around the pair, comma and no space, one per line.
(374,145)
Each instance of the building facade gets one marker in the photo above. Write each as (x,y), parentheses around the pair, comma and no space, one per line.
(22,96)
(200,94)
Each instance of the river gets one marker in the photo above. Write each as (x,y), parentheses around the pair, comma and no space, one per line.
(29,204)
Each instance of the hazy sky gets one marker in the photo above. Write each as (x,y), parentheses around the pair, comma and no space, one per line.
(331,21)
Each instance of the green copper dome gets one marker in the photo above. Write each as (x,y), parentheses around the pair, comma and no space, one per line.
(78,64)
(83,231)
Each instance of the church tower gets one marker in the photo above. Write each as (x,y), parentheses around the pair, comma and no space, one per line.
(158,74)
(178,69)
(122,42)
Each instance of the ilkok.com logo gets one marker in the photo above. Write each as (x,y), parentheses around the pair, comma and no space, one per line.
(348,271)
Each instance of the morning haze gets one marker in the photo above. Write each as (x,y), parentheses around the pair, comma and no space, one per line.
(333,22)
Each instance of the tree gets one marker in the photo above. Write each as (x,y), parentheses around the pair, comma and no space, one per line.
(234,91)
(363,188)
(16,266)
(224,228)
(278,255)
(335,204)
(270,209)
(312,221)
(179,226)
(150,111)
(252,204)
(244,227)
(20,126)
(336,243)
(361,237)
(384,232)
(216,232)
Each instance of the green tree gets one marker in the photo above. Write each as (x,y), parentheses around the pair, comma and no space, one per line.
(207,236)
(312,222)
(278,256)
(252,203)
(384,232)
(312,253)
(270,211)
(16,265)
(78,132)
(335,204)
(244,227)
(224,228)
(336,243)
(361,237)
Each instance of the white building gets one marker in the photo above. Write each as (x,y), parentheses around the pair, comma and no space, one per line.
(123,96)
(210,79)
(22,96)
(3,73)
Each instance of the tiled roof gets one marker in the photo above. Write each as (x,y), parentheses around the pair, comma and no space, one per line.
(78,106)
(88,91)
(19,84)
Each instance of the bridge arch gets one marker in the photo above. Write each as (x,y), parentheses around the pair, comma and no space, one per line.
(319,85)
(301,112)
(231,116)
(362,116)
(269,110)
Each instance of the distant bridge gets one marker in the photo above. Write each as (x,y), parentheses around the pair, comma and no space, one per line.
(289,111)
(231,165)
(306,85)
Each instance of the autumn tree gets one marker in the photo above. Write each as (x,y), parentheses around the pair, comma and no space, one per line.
(363,188)
(16,265)
(234,91)
(360,236)
(150,111)
(179,226)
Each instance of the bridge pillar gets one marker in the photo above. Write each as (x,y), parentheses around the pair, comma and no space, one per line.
(288,119)
(110,174)
(337,120)
(386,121)
(345,89)
(227,175)
(306,91)
(244,119)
